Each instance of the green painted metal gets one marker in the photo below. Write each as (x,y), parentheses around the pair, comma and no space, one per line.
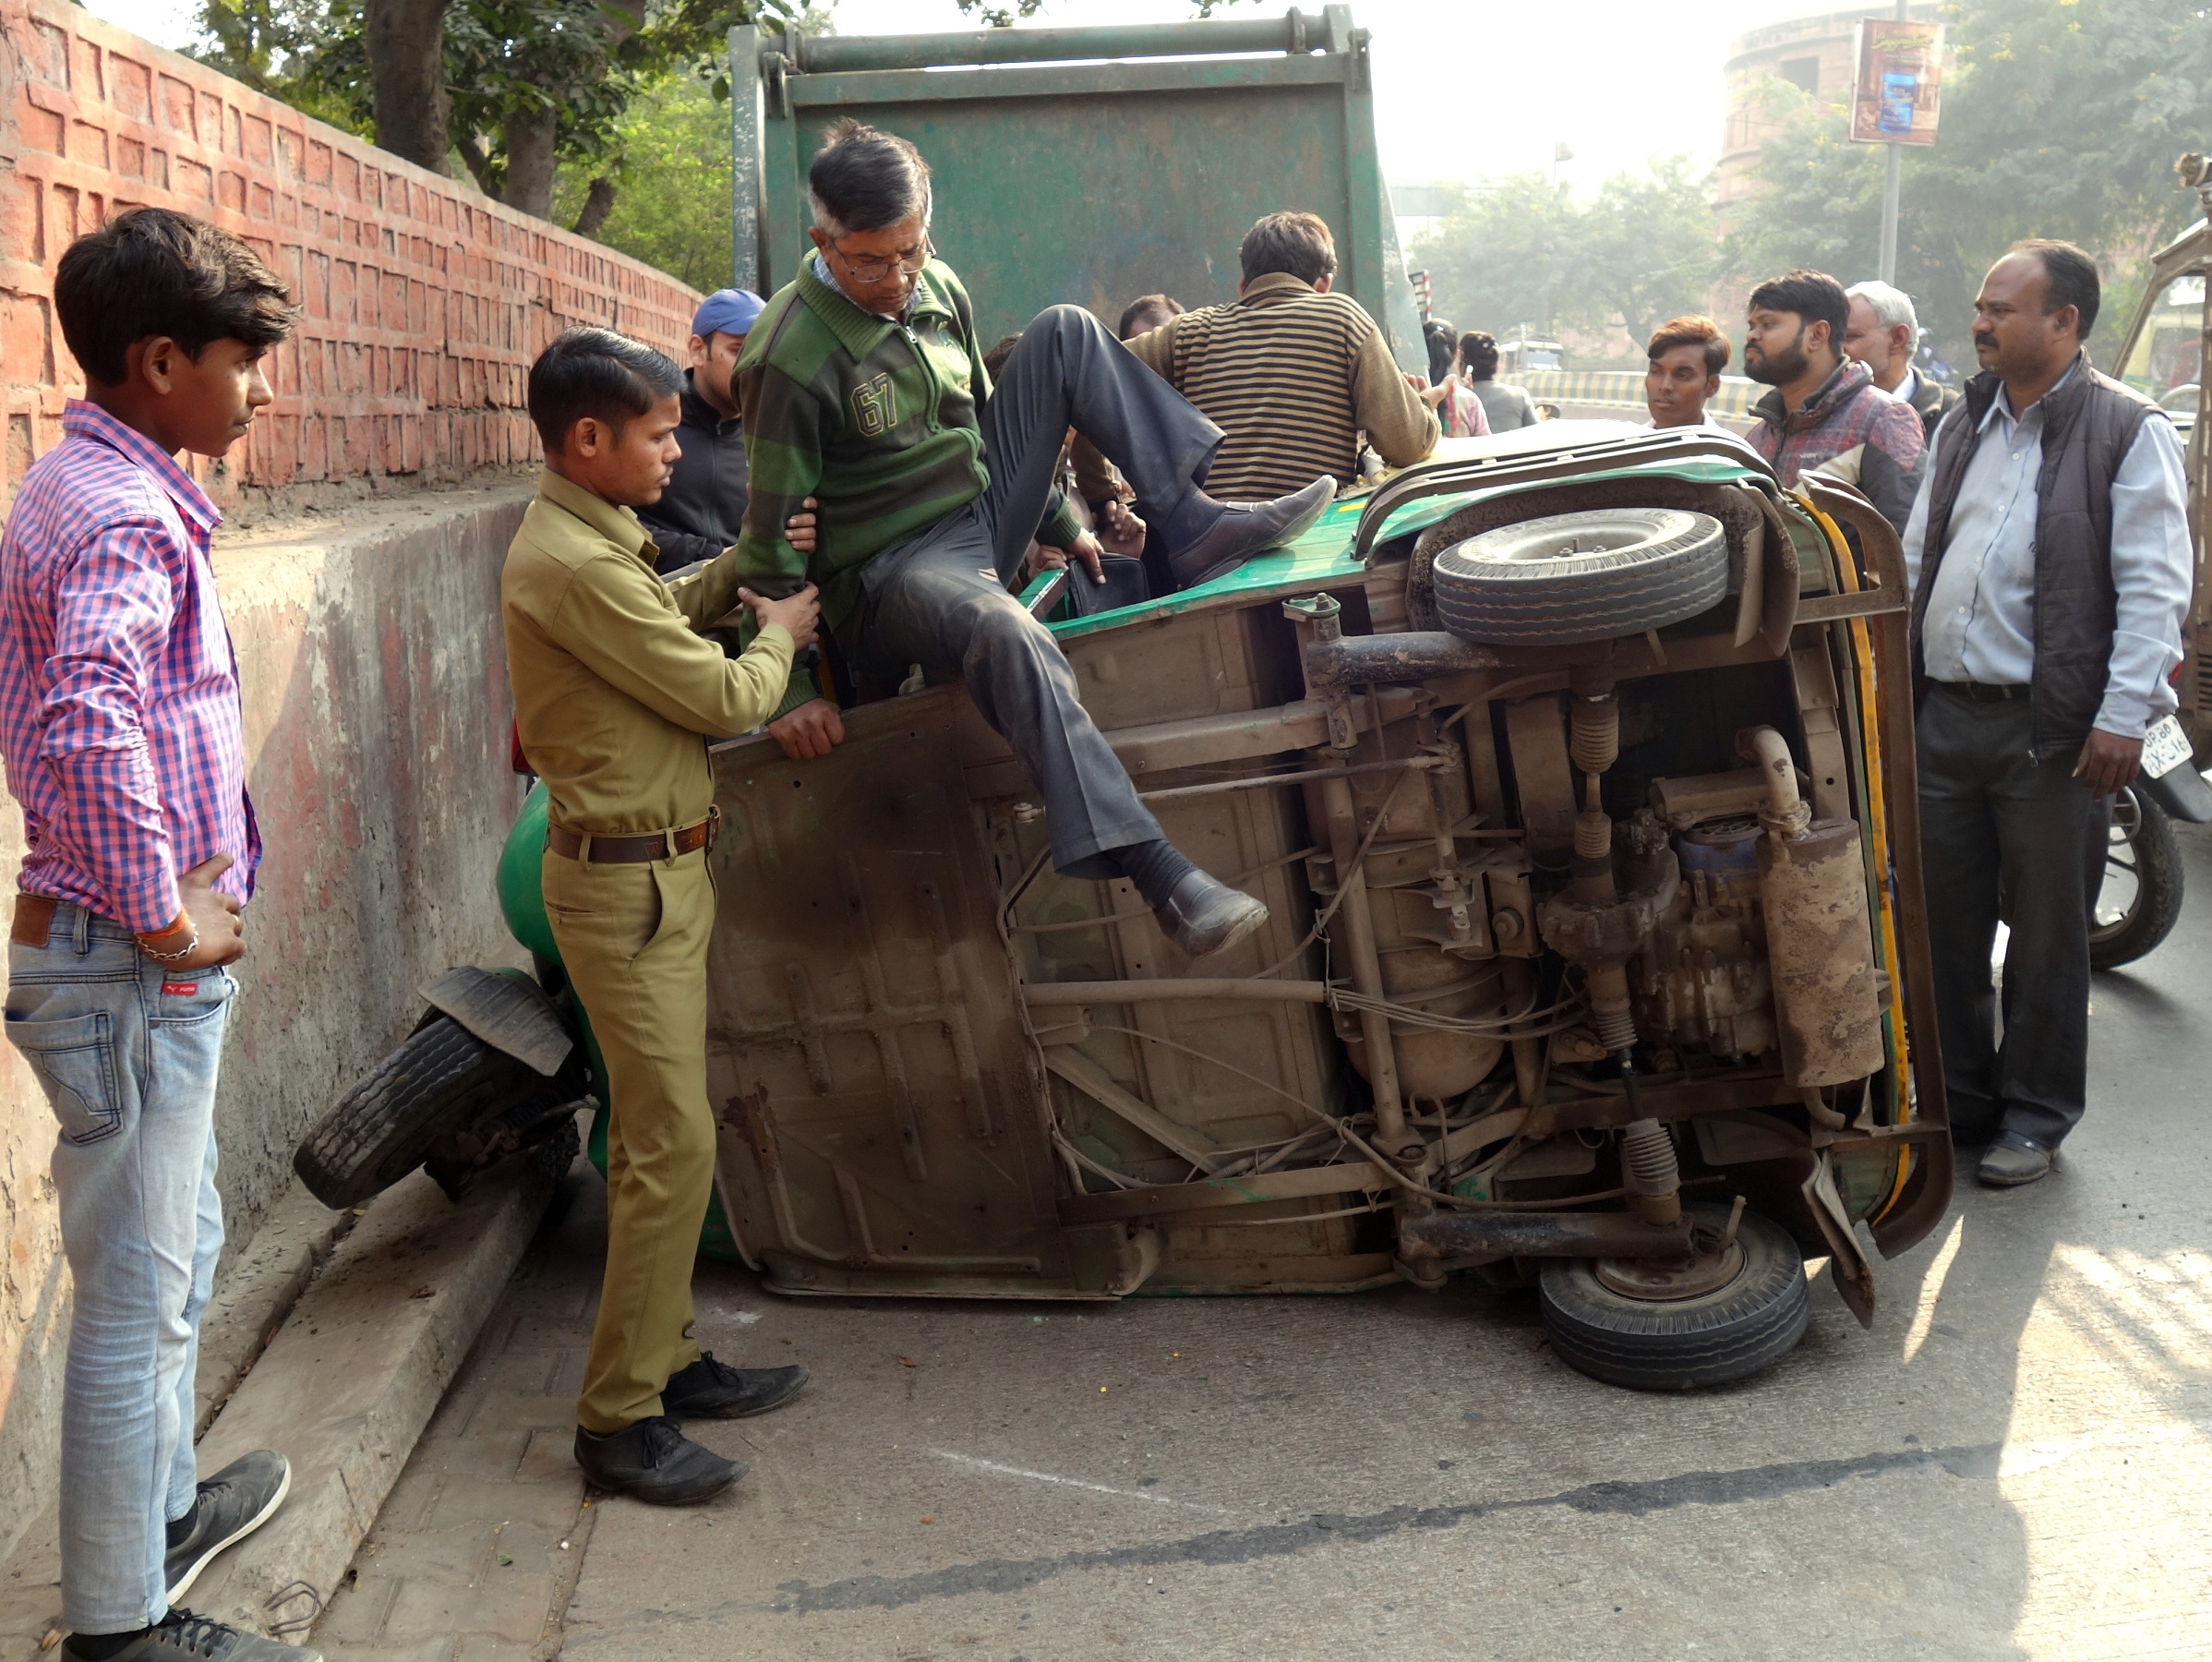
(1292,32)
(521,890)
(1068,171)
(1322,557)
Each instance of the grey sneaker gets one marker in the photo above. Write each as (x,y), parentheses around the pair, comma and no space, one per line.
(233,1503)
(2013,1160)
(181,1636)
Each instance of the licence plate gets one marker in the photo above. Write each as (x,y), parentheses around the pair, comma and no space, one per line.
(2165,747)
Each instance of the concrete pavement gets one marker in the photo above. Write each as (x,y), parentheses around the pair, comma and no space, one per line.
(2014,1463)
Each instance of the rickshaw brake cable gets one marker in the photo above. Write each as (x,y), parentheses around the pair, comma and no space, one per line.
(1359,861)
(1389,1172)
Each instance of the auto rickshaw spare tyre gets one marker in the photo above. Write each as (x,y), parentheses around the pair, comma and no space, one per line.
(1589,576)
(1743,1310)
(2140,900)
(441,1078)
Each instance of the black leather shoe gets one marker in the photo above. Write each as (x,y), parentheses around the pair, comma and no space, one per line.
(712,1390)
(1248,528)
(653,1461)
(2013,1160)
(1203,914)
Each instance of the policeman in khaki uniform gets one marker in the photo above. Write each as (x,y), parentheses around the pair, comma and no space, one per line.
(616,694)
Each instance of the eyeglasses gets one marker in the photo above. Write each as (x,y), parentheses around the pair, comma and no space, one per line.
(875,268)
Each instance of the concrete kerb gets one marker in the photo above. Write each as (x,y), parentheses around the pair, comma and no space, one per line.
(349,1380)
(259,1292)
(345,1384)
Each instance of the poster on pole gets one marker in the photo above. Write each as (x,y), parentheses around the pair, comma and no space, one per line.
(1900,79)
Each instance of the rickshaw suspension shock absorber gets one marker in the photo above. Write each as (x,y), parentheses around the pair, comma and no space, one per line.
(1649,1170)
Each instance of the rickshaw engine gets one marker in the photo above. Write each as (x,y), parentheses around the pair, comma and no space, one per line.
(1701,981)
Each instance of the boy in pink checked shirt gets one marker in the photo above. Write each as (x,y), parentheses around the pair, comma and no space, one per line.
(120,729)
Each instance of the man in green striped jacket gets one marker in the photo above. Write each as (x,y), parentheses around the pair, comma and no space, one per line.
(862,385)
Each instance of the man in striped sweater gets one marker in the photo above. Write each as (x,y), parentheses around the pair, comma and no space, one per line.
(1293,374)
(862,385)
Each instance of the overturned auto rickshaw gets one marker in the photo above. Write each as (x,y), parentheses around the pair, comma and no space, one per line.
(1576,771)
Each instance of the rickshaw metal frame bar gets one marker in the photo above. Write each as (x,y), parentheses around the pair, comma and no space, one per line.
(1928,1191)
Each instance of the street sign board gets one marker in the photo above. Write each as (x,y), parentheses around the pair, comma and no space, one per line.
(1899,81)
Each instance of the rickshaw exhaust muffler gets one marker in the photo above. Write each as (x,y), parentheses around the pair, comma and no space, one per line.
(1812,885)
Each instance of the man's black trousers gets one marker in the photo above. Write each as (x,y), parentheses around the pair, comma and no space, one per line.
(2006,836)
(941,598)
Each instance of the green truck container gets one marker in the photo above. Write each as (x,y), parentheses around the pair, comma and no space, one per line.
(1086,165)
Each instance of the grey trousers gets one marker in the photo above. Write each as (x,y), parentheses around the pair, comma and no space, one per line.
(2008,838)
(941,598)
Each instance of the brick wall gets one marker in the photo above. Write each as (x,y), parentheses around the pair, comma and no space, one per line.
(424,300)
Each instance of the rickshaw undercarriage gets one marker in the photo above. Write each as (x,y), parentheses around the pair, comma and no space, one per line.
(1522,1000)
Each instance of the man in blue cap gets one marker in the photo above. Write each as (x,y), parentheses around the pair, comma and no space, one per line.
(701,512)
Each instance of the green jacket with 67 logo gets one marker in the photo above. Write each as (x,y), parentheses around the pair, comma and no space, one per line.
(874,418)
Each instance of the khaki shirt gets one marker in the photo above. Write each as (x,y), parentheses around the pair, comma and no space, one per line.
(614,692)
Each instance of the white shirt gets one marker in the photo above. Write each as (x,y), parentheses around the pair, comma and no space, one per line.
(1980,624)
(1904,390)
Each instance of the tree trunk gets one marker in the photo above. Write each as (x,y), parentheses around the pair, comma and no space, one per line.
(599,202)
(530,161)
(407,78)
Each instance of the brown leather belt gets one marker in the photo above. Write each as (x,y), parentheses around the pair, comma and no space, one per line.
(34,918)
(634,850)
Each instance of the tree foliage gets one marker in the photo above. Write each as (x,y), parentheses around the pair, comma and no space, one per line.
(1522,250)
(672,208)
(2062,118)
(531,84)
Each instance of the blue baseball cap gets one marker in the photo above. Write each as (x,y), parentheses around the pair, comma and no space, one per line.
(728,311)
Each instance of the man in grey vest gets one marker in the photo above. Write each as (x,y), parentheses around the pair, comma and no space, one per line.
(2048,558)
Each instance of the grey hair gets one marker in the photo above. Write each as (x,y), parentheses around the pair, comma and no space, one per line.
(864,179)
(1892,305)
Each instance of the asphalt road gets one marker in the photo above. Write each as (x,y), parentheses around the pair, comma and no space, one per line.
(2012,1463)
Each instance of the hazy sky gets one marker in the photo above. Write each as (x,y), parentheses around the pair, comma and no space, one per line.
(1463,88)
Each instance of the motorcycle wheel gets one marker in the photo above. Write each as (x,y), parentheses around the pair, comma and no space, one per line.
(1748,1321)
(2141,898)
(442,1076)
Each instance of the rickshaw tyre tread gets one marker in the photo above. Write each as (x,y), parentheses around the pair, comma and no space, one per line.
(440,1076)
(1656,1347)
(1666,584)
(2160,874)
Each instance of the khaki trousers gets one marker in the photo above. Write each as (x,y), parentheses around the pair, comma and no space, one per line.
(634,939)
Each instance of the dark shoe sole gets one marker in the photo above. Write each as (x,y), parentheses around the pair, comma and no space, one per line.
(183,1585)
(746,1412)
(673,1494)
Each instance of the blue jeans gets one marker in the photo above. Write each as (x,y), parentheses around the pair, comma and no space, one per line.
(128,1053)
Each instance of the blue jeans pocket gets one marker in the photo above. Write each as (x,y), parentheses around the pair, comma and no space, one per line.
(74,1060)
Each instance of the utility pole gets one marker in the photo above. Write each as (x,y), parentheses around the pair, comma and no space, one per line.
(1893,190)
(1560,153)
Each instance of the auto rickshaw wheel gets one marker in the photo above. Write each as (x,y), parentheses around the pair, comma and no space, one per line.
(1734,1309)
(1593,575)
(442,1078)
(2140,900)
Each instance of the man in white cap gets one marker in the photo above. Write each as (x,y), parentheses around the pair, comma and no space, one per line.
(701,511)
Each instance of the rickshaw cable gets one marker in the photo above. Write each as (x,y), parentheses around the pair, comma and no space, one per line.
(1359,861)
(1389,1172)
